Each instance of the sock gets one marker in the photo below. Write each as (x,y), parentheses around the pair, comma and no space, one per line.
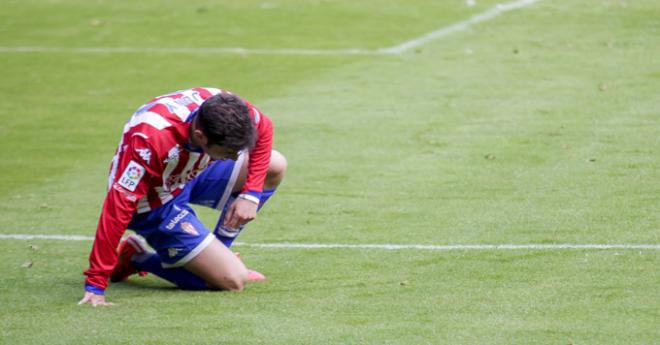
(265,195)
(227,236)
(179,276)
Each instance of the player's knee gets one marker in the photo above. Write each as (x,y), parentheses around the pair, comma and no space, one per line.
(235,283)
(232,281)
(276,170)
(219,268)
(278,164)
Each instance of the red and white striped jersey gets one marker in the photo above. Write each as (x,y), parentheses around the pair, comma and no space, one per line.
(152,165)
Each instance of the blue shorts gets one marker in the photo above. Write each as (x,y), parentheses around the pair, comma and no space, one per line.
(173,229)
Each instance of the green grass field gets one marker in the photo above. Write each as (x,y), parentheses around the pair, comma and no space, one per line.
(539,126)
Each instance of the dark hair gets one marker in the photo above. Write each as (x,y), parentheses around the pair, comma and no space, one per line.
(225,120)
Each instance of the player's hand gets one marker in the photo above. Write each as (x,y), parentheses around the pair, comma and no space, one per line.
(94,299)
(240,212)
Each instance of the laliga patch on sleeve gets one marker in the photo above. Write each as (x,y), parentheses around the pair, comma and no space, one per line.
(131,176)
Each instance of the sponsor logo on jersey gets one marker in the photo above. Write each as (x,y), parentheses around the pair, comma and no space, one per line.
(131,176)
(172,252)
(145,154)
(176,219)
(189,228)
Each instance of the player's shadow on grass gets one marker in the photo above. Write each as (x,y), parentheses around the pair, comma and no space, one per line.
(144,283)
(147,283)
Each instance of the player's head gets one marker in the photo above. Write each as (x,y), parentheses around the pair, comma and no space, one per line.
(223,126)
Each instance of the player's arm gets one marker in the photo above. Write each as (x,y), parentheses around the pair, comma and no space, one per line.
(245,207)
(130,183)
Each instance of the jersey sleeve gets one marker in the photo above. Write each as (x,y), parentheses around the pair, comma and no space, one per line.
(135,169)
(259,156)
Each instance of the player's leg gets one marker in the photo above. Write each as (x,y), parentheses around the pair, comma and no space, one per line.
(219,185)
(274,176)
(213,265)
(216,265)
(213,187)
(219,267)
(187,254)
(276,170)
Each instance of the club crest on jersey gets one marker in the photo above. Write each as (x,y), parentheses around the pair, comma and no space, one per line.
(145,154)
(189,228)
(131,176)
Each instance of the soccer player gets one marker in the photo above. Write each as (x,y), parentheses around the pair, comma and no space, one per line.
(165,145)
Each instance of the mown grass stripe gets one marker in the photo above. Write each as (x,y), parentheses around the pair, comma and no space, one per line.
(394,50)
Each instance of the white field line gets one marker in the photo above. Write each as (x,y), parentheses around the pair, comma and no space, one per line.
(147,50)
(46,237)
(394,50)
(482,17)
(457,247)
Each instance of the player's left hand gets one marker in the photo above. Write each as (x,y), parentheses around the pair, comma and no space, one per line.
(240,212)
(94,300)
